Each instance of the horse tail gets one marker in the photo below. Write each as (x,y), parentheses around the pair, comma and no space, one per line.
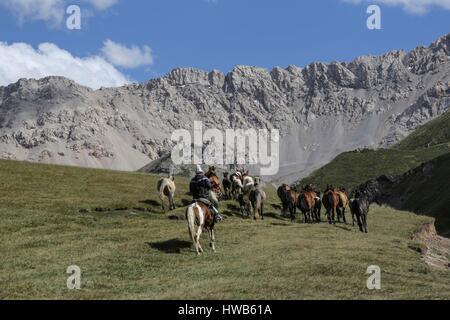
(190,218)
(162,185)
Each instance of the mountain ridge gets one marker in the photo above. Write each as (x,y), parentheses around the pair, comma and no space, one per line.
(321,110)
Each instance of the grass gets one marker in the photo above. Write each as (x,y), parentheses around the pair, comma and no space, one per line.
(134,251)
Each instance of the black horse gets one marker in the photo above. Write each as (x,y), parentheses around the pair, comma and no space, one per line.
(318,206)
(226,183)
(359,207)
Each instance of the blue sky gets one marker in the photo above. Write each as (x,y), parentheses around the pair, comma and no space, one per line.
(223,33)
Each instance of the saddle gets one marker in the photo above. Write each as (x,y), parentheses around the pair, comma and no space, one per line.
(204,201)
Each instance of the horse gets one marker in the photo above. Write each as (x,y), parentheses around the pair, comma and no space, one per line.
(236,185)
(247,183)
(343,203)
(215,182)
(244,200)
(318,200)
(257,199)
(166,188)
(359,207)
(198,216)
(318,206)
(226,183)
(306,202)
(288,199)
(330,201)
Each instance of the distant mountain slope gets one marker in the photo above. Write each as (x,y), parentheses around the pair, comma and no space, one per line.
(322,110)
(350,169)
(435,132)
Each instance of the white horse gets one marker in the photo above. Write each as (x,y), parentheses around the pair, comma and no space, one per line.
(248,182)
(199,217)
(166,188)
(236,185)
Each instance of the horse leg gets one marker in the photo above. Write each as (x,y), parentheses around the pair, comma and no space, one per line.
(364,222)
(172,203)
(343,215)
(198,235)
(161,197)
(212,238)
(248,208)
(360,224)
(262,211)
(333,215)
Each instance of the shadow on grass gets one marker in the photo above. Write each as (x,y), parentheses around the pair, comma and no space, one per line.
(343,227)
(276,206)
(279,224)
(151,202)
(186,202)
(170,246)
(275,216)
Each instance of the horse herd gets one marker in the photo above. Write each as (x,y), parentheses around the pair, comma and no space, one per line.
(334,200)
(249,194)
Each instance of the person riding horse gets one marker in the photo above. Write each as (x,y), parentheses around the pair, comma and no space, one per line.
(200,187)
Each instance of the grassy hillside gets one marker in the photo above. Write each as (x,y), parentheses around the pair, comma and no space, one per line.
(433,133)
(428,192)
(351,169)
(127,249)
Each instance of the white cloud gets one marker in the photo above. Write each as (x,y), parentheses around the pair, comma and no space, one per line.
(20,60)
(102,4)
(411,6)
(45,10)
(122,56)
(51,11)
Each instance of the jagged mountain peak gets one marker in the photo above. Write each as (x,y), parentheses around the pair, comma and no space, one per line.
(321,110)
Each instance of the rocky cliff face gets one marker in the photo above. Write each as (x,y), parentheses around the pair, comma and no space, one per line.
(321,110)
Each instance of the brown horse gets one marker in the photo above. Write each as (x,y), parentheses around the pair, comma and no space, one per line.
(288,199)
(343,203)
(307,203)
(330,201)
(215,182)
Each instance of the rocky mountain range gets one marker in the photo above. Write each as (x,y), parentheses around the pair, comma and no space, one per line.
(321,110)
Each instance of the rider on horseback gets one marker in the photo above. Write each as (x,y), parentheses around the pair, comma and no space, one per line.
(200,188)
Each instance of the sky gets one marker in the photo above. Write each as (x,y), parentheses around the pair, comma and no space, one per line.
(123,41)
